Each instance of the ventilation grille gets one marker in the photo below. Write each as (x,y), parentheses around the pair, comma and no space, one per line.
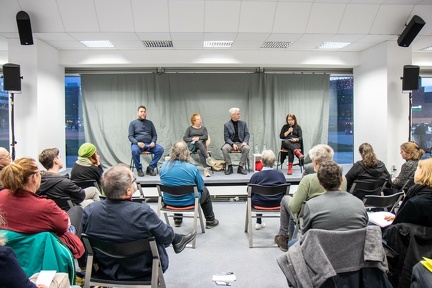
(276,44)
(158,43)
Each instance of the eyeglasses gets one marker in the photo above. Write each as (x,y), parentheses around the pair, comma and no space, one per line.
(133,180)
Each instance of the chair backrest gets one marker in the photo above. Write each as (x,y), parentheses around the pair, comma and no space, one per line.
(268,190)
(120,252)
(408,183)
(177,190)
(87,183)
(360,188)
(383,202)
(207,144)
(65,203)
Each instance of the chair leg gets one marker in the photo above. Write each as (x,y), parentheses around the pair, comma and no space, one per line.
(131,165)
(250,231)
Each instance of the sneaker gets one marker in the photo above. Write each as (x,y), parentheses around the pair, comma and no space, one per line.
(282,242)
(207,172)
(140,173)
(177,222)
(212,224)
(259,226)
(150,171)
(210,162)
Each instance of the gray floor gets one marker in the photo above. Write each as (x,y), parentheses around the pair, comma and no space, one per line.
(225,249)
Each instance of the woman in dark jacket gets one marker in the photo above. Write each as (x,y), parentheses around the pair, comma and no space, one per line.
(291,135)
(411,153)
(416,208)
(369,168)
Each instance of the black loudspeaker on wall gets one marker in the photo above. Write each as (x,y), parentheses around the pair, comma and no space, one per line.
(24,28)
(11,77)
(411,30)
(410,80)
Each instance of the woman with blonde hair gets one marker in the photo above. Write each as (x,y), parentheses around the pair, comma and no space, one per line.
(196,137)
(369,168)
(26,212)
(411,153)
(416,208)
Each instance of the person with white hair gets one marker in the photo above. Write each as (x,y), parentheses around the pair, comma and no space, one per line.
(308,188)
(267,177)
(236,136)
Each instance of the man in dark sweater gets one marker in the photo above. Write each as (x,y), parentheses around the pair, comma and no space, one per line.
(143,137)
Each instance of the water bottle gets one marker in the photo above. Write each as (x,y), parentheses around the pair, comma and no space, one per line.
(256,149)
(264,147)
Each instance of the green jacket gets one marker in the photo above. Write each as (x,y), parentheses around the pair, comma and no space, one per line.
(41,251)
(308,188)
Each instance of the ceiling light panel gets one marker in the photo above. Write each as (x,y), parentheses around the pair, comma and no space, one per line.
(217,44)
(333,45)
(98,44)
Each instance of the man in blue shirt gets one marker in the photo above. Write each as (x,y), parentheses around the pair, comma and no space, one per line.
(143,137)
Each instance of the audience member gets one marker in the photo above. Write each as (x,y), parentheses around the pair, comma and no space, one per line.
(267,177)
(416,208)
(54,185)
(88,166)
(178,171)
(367,169)
(291,135)
(5,158)
(120,220)
(335,209)
(143,137)
(196,137)
(308,188)
(26,212)
(411,153)
(236,136)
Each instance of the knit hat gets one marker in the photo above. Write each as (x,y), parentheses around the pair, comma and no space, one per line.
(86,150)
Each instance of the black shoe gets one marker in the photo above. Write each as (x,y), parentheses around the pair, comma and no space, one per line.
(140,173)
(179,247)
(212,224)
(229,170)
(150,171)
(240,170)
(178,222)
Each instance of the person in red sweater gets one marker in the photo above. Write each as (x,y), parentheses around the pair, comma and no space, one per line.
(26,212)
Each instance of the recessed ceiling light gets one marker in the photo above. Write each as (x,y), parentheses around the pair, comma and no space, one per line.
(427,48)
(158,43)
(217,44)
(276,44)
(332,45)
(98,44)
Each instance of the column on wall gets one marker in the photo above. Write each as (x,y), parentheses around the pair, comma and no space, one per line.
(40,107)
(380,107)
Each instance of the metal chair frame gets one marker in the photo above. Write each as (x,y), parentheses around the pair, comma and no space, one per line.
(251,211)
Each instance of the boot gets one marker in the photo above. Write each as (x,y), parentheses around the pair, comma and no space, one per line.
(298,153)
(290,164)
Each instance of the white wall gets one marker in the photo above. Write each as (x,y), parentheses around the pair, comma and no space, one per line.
(380,114)
(40,108)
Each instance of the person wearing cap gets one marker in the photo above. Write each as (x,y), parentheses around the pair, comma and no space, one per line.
(54,185)
(143,137)
(88,166)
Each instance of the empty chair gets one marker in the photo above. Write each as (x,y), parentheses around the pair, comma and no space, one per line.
(265,212)
(192,211)
(120,252)
(386,203)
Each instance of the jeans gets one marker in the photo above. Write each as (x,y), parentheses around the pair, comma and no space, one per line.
(157,152)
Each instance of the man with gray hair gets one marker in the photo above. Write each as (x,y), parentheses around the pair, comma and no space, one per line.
(236,136)
(118,219)
(267,177)
(308,188)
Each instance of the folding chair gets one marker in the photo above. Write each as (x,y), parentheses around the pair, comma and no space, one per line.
(360,188)
(65,203)
(119,251)
(192,211)
(267,212)
(87,183)
(132,164)
(247,164)
(383,202)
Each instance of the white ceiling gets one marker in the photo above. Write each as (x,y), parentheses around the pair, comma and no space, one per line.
(249,23)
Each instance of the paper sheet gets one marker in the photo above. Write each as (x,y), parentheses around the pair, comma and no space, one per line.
(378,218)
(45,277)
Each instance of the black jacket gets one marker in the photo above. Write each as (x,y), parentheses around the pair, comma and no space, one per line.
(360,172)
(416,207)
(56,186)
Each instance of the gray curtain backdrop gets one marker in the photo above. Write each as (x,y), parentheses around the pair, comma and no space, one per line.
(110,103)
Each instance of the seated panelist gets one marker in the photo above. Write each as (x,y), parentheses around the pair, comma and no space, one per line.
(236,136)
